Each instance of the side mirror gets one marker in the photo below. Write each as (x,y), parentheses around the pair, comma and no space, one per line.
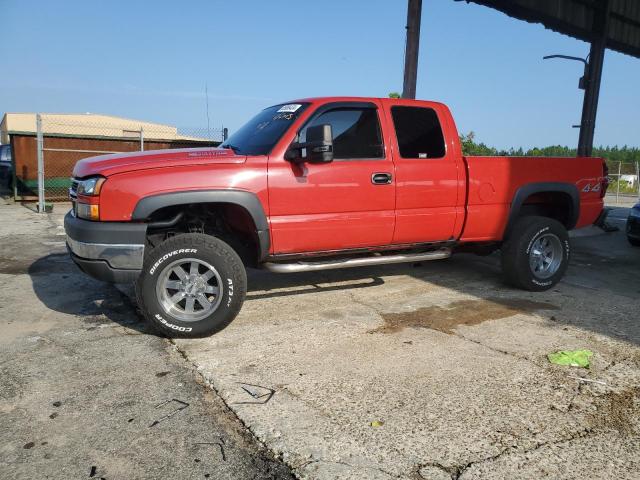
(319,146)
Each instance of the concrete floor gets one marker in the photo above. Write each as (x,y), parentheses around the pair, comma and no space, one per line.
(86,392)
(432,371)
(621,201)
(450,363)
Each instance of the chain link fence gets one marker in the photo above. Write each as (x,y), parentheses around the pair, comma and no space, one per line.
(44,162)
(624,180)
(45,153)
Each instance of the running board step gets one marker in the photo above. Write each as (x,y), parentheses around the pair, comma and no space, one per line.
(356,262)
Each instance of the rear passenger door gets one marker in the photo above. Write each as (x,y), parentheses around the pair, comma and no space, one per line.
(429,198)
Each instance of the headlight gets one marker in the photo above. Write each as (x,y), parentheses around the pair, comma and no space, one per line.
(90,186)
(635,212)
(86,208)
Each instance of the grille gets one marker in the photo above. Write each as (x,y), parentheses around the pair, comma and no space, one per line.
(73,190)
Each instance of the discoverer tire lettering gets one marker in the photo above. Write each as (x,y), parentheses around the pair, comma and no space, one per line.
(169,255)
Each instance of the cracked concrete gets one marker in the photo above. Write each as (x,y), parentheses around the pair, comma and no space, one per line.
(453,400)
(458,399)
(86,391)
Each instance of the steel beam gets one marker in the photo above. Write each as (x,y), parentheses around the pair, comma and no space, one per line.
(593,76)
(414,14)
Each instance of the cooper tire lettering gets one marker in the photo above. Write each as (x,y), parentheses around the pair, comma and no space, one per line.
(172,326)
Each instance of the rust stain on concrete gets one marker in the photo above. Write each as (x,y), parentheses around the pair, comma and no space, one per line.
(463,312)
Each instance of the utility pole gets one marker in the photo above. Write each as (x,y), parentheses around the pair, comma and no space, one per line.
(414,14)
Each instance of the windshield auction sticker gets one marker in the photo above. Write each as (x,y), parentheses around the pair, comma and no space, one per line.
(292,107)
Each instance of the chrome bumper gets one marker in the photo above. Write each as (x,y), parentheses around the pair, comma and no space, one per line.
(121,256)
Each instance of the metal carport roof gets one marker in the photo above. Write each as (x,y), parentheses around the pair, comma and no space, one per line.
(578,17)
(613,24)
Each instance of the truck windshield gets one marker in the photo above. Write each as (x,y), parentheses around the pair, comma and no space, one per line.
(260,134)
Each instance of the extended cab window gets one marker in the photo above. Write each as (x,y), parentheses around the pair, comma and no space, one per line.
(419,132)
(356,132)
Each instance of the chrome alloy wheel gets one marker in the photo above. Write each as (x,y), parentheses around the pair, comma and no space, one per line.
(545,256)
(189,289)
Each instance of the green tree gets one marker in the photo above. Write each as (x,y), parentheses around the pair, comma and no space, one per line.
(394,95)
(470,147)
(626,155)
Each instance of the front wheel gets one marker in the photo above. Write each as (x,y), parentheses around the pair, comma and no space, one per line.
(536,254)
(191,285)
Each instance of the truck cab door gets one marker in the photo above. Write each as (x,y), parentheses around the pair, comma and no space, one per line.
(430,177)
(344,204)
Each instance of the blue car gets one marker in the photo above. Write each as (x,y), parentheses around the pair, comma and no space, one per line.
(633,225)
(5,165)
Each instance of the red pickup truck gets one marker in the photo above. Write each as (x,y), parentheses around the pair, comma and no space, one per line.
(314,184)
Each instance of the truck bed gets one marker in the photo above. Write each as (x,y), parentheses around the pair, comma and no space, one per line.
(493,182)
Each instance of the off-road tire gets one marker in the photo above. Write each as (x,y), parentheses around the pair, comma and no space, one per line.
(516,252)
(204,248)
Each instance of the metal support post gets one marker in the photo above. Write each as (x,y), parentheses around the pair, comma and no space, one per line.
(618,182)
(593,76)
(40,154)
(638,179)
(141,139)
(414,14)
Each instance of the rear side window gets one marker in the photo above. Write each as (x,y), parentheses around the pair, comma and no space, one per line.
(356,132)
(419,132)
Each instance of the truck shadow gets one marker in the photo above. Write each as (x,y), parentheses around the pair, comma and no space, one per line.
(598,293)
(62,287)
(264,285)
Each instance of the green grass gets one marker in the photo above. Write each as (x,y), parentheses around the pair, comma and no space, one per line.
(624,187)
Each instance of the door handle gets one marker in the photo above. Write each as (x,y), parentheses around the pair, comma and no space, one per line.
(381,178)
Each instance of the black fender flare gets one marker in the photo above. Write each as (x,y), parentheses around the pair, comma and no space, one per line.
(544,187)
(247,200)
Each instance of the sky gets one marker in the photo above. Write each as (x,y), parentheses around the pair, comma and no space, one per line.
(151,61)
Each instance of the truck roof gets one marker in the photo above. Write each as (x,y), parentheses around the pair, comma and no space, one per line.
(402,101)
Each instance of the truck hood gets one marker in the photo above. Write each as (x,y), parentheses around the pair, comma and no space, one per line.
(112,164)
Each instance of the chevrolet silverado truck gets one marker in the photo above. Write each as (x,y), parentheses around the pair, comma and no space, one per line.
(315,184)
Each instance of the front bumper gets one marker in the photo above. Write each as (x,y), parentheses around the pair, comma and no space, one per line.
(109,251)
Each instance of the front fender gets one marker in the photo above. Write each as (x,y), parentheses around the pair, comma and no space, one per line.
(247,200)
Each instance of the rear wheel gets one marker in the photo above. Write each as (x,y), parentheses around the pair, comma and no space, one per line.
(634,241)
(536,254)
(191,285)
